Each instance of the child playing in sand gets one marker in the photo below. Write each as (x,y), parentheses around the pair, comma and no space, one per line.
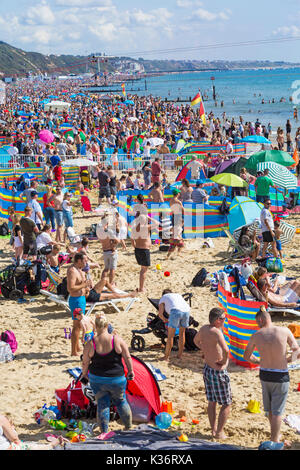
(87,325)
(278,234)
(175,241)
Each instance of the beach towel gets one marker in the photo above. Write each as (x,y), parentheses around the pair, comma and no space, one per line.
(156,372)
(293,421)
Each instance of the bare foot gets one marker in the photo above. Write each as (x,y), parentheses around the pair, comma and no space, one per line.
(287,444)
(220,435)
(135,293)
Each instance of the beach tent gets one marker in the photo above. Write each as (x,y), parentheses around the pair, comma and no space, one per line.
(59,105)
(185,173)
(243,211)
(231,166)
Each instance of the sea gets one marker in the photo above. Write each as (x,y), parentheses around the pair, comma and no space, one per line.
(242,93)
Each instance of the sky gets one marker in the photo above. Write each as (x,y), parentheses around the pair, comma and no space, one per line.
(156,29)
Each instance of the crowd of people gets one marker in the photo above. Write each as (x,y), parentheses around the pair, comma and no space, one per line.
(94,131)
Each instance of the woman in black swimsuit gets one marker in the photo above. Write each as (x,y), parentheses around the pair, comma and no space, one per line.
(102,365)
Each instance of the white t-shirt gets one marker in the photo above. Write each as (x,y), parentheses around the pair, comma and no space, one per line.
(67,206)
(266,215)
(43,239)
(194,167)
(174,301)
(4,443)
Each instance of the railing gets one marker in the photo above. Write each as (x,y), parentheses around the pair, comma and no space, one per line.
(125,161)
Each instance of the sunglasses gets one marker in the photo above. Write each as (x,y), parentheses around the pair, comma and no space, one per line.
(222,318)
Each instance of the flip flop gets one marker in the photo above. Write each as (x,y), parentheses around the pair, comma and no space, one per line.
(270,445)
(51,437)
(105,435)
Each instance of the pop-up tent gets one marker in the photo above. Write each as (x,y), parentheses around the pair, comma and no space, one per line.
(243,211)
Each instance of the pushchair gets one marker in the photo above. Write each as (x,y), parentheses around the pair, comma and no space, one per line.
(156,326)
(15,278)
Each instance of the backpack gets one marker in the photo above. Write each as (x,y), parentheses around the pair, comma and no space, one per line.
(9,338)
(224,207)
(62,288)
(4,230)
(199,278)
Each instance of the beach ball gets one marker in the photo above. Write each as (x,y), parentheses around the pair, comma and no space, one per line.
(158,267)
(167,274)
(163,420)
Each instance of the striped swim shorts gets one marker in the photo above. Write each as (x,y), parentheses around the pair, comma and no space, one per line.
(217,385)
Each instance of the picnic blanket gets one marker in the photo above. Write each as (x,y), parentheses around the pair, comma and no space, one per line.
(145,437)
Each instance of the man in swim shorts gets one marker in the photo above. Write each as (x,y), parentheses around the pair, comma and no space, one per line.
(271,343)
(211,342)
(78,287)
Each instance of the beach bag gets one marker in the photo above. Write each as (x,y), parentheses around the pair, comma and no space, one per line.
(4,230)
(6,354)
(72,395)
(62,289)
(199,278)
(9,338)
(224,207)
(274,265)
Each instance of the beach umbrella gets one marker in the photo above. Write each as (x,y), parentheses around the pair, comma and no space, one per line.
(154,141)
(276,156)
(128,102)
(225,165)
(256,139)
(279,174)
(243,211)
(131,118)
(46,136)
(113,120)
(229,179)
(4,152)
(70,133)
(132,140)
(11,150)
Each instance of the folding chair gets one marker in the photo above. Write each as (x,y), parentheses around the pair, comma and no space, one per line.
(236,249)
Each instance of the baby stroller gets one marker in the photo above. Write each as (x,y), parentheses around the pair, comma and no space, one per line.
(15,278)
(156,326)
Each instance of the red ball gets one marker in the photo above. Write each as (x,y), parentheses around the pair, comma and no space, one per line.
(167,274)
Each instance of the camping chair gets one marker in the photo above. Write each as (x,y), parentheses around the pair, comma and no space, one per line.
(72,237)
(237,251)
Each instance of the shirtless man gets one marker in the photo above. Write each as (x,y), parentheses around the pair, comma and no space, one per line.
(109,241)
(78,287)
(57,200)
(156,194)
(211,342)
(141,241)
(271,342)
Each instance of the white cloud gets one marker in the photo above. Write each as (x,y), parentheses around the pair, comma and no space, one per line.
(206,15)
(188,3)
(293,31)
(41,15)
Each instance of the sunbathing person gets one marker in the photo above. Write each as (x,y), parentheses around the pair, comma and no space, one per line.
(249,243)
(98,294)
(288,295)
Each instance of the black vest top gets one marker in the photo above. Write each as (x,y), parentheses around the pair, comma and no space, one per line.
(107,365)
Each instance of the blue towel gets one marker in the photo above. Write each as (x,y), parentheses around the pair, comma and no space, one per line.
(156,372)
(75,372)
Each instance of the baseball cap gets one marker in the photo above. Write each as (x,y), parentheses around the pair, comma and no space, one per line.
(175,192)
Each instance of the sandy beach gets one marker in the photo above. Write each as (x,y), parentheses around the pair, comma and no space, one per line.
(43,354)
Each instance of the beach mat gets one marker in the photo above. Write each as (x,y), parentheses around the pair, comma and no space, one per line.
(145,437)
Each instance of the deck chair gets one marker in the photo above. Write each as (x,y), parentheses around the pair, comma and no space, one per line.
(86,205)
(60,300)
(73,238)
(237,251)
